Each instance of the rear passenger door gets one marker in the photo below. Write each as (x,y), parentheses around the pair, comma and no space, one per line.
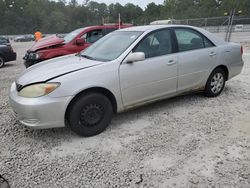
(196,56)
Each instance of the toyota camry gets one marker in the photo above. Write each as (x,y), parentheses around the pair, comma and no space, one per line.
(125,69)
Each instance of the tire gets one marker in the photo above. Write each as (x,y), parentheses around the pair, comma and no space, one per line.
(215,83)
(90,114)
(2,62)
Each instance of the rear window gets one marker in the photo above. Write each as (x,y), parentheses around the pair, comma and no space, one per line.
(108,30)
(189,39)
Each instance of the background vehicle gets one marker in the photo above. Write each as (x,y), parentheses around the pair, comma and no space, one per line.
(6,54)
(24,38)
(76,41)
(123,70)
(4,40)
(163,22)
(239,28)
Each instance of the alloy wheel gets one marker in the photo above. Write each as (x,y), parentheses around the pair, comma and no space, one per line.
(217,83)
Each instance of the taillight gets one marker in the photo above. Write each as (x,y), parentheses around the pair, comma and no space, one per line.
(241,50)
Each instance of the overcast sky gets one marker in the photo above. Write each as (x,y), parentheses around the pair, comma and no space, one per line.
(141,3)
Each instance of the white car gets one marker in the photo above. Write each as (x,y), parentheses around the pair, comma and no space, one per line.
(239,28)
(123,70)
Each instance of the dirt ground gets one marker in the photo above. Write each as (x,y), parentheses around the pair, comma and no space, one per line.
(187,141)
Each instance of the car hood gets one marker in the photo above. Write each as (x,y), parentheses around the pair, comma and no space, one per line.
(50,69)
(46,42)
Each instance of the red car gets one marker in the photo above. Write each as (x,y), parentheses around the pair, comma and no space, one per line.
(76,41)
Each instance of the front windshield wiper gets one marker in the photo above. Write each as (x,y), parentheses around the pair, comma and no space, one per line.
(87,57)
(91,58)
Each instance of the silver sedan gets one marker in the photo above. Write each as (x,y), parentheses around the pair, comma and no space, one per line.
(123,70)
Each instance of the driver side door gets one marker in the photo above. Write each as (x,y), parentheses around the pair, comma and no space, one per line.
(153,78)
(90,37)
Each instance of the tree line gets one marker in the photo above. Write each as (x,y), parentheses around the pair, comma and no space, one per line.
(24,16)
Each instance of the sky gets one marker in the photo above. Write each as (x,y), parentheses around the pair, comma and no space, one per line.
(141,3)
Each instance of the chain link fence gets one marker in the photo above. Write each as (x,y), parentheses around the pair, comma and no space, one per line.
(218,24)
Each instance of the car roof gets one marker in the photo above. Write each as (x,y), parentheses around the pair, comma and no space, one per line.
(154,27)
(105,26)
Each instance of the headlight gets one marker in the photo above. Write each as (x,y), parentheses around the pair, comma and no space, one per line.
(35,55)
(39,55)
(38,90)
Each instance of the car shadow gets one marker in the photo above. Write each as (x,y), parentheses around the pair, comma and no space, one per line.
(157,106)
(9,64)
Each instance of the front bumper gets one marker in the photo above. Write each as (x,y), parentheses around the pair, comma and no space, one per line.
(29,59)
(39,113)
(29,63)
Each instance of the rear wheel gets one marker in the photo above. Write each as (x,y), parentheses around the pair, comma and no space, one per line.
(215,83)
(90,114)
(1,62)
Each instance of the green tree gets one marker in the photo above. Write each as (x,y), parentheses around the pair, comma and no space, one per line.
(23,16)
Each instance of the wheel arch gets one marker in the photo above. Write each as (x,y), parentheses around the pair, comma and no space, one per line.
(100,90)
(3,58)
(224,68)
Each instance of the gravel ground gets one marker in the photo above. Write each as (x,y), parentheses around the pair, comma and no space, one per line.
(187,141)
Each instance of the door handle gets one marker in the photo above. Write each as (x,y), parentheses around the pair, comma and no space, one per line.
(212,54)
(171,62)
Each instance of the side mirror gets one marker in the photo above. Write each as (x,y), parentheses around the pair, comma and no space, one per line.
(137,56)
(80,41)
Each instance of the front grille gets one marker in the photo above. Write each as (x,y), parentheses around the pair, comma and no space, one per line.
(18,87)
(30,56)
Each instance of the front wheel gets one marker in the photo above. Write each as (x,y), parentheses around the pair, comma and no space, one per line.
(215,83)
(90,114)
(1,62)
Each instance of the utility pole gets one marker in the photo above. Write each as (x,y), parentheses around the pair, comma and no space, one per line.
(119,20)
(230,26)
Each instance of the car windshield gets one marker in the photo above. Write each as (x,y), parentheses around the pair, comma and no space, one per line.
(111,46)
(69,37)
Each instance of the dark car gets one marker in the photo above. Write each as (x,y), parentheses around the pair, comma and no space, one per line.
(6,54)
(24,38)
(74,42)
(4,40)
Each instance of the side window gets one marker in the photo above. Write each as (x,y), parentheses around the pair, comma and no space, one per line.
(155,44)
(188,40)
(109,30)
(93,36)
(208,43)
